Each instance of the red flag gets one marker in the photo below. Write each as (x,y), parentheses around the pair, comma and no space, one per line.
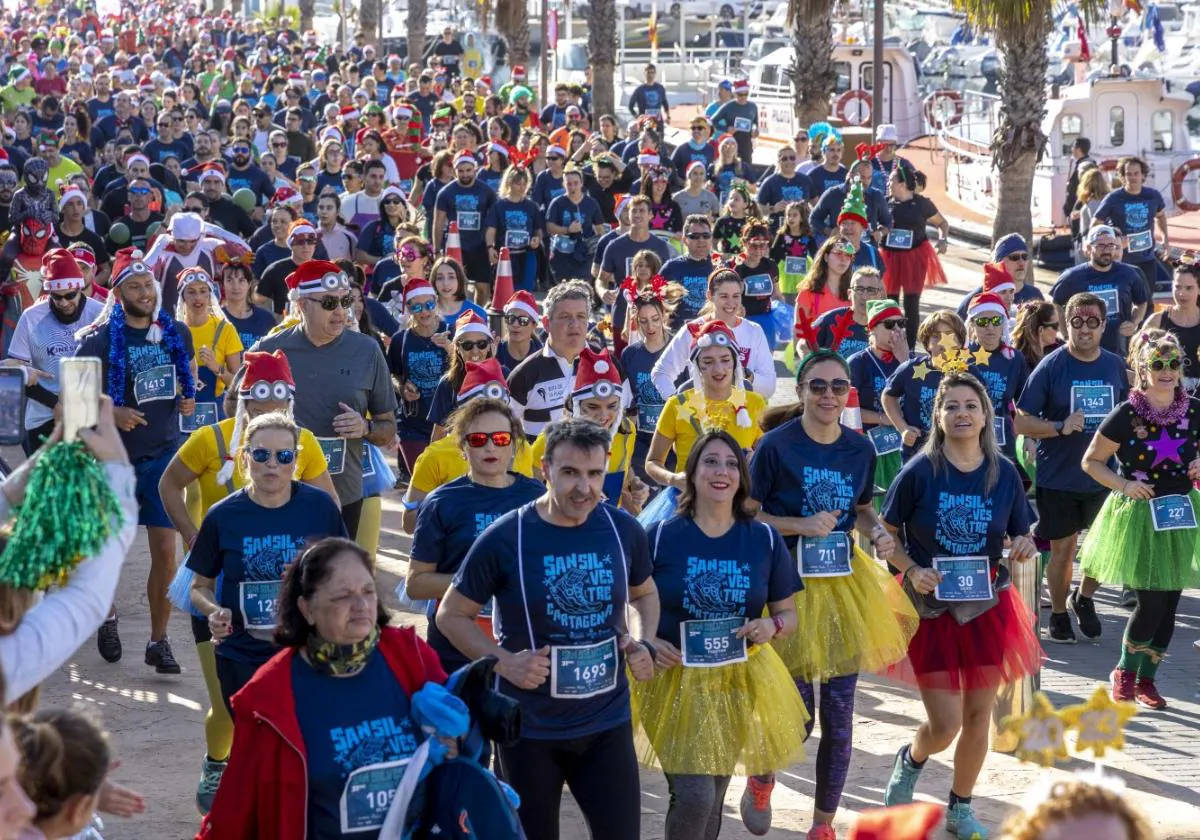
(1085,51)
(654,29)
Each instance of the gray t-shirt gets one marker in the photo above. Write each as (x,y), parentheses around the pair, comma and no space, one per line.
(705,204)
(350,370)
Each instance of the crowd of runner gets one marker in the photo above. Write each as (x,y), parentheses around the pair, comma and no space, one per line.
(314,276)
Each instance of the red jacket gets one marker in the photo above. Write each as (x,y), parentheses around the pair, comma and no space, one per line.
(264,792)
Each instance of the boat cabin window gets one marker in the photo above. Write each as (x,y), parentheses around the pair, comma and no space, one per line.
(866,76)
(1070,126)
(842,68)
(1162,126)
(1116,126)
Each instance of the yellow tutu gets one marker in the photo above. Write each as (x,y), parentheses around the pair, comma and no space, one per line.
(746,718)
(847,625)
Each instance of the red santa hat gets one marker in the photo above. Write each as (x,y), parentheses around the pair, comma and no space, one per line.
(137,157)
(82,253)
(196,274)
(300,227)
(349,112)
(61,271)
(418,288)
(268,376)
(717,334)
(483,379)
(595,376)
(987,303)
(316,277)
(470,322)
(464,157)
(518,71)
(286,197)
(127,263)
(741,86)
(208,170)
(500,149)
(69,192)
(996,278)
(523,301)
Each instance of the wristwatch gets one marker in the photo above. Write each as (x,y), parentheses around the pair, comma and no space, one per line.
(1058,426)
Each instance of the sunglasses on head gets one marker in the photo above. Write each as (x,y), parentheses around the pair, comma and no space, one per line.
(818,387)
(283,457)
(331,303)
(418,308)
(1091,322)
(515,320)
(1165,364)
(895,323)
(478,440)
(65,297)
(988,321)
(481,344)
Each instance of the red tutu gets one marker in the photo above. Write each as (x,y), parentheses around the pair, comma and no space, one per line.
(998,647)
(912,270)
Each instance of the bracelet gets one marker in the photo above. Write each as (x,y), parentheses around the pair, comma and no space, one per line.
(904,574)
(778,622)
(651,649)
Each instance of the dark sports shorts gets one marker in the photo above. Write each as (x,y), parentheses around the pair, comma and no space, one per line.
(1062,513)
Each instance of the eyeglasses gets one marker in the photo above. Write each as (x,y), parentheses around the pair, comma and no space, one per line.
(65,297)
(818,387)
(478,440)
(329,304)
(786,158)
(139,191)
(867,290)
(305,239)
(895,323)
(1091,322)
(283,457)
(515,320)
(758,243)
(418,308)
(280,145)
(1018,257)
(467,346)
(391,200)
(1162,364)
(988,321)
(699,237)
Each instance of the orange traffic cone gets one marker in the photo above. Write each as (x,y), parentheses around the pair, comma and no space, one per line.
(453,244)
(852,413)
(502,289)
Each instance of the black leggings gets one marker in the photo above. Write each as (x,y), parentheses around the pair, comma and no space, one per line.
(232,675)
(1153,619)
(601,771)
(697,803)
(912,314)
(351,513)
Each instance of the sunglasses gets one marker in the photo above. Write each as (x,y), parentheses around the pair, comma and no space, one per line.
(240,150)
(895,323)
(1018,257)
(699,237)
(478,440)
(306,178)
(139,191)
(844,248)
(818,387)
(988,321)
(282,145)
(304,240)
(481,344)
(283,457)
(787,158)
(515,320)
(391,200)
(418,308)
(1051,326)
(1161,364)
(65,297)
(329,304)
(1091,322)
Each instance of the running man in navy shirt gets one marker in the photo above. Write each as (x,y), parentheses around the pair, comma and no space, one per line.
(1135,210)
(1116,284)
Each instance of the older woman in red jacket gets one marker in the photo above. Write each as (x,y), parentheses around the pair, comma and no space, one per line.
(327,718)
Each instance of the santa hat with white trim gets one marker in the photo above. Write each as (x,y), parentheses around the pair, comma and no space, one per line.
(988,303)
(596,377)
(470,322)
(483,379)
(418,288)
(61,271)
(268,376)
(196,274)
(68,192)
(316,277)
(524,302)
(997,278)
(128,263)
(717,334)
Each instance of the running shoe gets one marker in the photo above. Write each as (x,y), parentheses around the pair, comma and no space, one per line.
(108,640)
(210,780)
(159,655)
(903,783)
(961,821)
(756,805)
(1128,598)
(1085,613)
(1147,695)
(822,831)
(1122,682)
(1060,631)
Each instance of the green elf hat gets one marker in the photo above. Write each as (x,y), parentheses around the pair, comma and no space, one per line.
(855,206)
(17,74)
(879,310)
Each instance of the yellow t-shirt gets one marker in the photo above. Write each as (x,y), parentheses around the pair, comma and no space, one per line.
(680,423)
(199,454)
(442,462)
(620,456)
(63,170)
(228,342)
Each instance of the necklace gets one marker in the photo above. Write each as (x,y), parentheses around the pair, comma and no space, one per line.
(1169,416)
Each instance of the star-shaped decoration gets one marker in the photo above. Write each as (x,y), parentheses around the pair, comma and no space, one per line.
(982,357)
(1099,723)
(1141,475)
(920,371)
(1041,735)
(1165,449)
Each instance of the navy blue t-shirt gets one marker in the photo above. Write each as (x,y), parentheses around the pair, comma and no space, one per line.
(415,358)
(856,337)
(469,207)
(822,179)
(637,363)
(577,594)
(793,475)
(563,212)
(1121,288)
(702,577)
(869,375)
(452,517)
(693,276)
(351,724)
(1134,216)
(252,545)
(516,222)
(1003,373)
(1047,395)
(251,329)
(546,188)
(151,376)
(505,357)
(618,256)
(778,188)
(915,383)
(950,513)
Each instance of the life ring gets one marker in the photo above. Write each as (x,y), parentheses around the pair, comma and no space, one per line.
(1177,185)
(954,98)
(853,116)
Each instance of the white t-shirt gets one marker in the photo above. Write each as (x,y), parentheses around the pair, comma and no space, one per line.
(41,340)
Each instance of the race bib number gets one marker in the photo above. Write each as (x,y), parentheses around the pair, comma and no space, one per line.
(468,220)
(1112,303)
(157,383)
(204,415)
(885,439)
(648,415)
(335,454)
(368,795)
(1141,241)
(516,240)
(899,239)
(759,285)
(563,244)
(963,578)
(1001,428)
(825,556)
(795,265)
(742,124)
(581,671)
(653,112)
(368,468)
(1172,513)
(1095,401)
(260,603)
(709,643)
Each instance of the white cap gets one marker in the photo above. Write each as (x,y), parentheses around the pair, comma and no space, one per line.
(886,133)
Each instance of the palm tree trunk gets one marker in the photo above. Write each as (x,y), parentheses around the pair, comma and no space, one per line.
(515,29)
(368,17)
(602,52)
(307,10)
(418,19)
(813,74)
(1019,142)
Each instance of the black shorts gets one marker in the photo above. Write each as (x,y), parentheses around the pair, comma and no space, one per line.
(478,267)
(1063,513)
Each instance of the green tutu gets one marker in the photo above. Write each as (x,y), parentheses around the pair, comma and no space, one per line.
(887,467)
(1123,547)
(1030,466)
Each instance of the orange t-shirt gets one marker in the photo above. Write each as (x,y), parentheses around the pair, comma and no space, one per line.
(815,305)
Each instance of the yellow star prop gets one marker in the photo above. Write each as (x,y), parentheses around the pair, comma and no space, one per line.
(1040,734)
(1099,723)
(921,371)
(981,356)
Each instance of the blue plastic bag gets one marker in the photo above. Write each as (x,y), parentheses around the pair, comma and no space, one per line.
(782,317)
(378,476)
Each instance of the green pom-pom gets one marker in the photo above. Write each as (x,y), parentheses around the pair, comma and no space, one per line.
(68,514)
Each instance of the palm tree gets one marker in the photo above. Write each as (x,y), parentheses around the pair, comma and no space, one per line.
(512,21)
(1020,29)
(813,73)
(368,17)
(418,19)
(602,54)
(307,10)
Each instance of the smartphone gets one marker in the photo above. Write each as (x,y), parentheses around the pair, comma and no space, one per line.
(79,394)
(12,406)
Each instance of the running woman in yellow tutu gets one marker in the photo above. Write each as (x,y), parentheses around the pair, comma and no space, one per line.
(815,481)
(1145,534)
(721,700)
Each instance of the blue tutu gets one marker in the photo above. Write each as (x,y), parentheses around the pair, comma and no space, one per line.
(179,593)
(660,509)
(378,476)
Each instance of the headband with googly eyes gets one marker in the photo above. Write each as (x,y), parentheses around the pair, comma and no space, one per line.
(716,339)
(263,391)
